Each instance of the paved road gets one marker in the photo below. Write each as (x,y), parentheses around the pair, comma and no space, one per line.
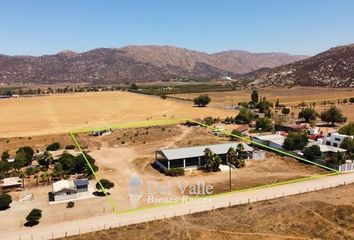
(42,232)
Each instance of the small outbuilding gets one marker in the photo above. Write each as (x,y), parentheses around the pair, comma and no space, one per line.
(63,190)
(11,183)
(81,185)
(272,140)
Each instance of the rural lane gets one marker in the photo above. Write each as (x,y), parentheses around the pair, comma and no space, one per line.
(75,227)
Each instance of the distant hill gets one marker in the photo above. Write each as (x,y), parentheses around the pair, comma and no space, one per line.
(134,64)
(332,68)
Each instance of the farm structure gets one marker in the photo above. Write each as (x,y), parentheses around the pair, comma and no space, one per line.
(67,189)
(11,183)
(272,140)
(194,157)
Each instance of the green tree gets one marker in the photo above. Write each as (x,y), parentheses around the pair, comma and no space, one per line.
(302,104)
(347,129)
(5,155)
(58,172)
(5,166)
(245,116)
(24,155)
(264,124)
(308,114)
(202,100)
(295,141)
(351,100)
(285,111)
(81,164)
(105,183)
(263,106)
(45,159)
(53,147)
(254,97)
(340,158)
(33,217)
(5,201)
(208,121)
(213,161)
(67,162)
(240,149)
(348,144)
(312,153)
(332,115)
(233,158)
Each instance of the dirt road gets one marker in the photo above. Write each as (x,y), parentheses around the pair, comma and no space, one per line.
(207,204)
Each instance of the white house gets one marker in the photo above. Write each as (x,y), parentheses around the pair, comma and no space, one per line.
(326,149)
(272,140)
(64,190)
(335,139)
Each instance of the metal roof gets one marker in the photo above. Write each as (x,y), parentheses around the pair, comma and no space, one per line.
(81,182)
(326,148)
(270,137)
(12,181)
(198,151)
(63,185)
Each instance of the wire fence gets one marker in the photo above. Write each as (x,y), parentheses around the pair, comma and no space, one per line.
(149,215)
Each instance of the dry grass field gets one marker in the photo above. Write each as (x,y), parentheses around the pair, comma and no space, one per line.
(291,97)
(326,215)
(61,113)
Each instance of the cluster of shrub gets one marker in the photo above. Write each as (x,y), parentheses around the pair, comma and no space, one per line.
(66,165)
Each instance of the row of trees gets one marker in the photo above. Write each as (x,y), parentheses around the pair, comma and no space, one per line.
(332,115)
(233,157)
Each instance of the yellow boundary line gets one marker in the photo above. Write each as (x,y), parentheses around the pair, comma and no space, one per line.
(175,121)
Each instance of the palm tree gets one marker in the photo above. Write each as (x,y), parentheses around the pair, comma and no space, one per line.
(44,177)
(208,159)
(216,161)
(231,155)
(36,177)
(240,149)
(22,175)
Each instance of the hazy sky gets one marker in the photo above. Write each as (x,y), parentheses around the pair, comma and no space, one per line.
(37,27)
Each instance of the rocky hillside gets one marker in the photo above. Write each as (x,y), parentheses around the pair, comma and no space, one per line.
(332,68)
(134,64)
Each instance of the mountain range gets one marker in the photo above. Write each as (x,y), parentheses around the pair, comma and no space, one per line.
(135,64)
(332,68)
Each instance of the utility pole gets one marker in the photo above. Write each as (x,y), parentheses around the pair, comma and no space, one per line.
(230,177)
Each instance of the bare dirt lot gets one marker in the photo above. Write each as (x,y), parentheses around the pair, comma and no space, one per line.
(327,214)
(130,151)
(61,113)
(291,97)
(36,142)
